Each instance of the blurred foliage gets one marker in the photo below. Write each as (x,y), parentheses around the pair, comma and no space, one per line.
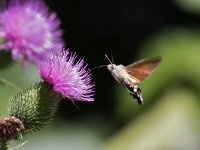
(171,124)
(80,135)
(190,5)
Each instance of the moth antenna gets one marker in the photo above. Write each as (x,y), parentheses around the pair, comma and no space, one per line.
(99,67)
(109,59)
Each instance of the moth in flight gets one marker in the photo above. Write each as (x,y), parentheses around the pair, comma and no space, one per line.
(130,76)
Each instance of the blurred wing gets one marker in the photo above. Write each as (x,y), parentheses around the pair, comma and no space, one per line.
(141,69)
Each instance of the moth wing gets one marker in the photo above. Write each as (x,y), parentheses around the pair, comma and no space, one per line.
(140,70)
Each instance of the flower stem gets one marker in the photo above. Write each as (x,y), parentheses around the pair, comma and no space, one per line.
(8,83)
(4,145)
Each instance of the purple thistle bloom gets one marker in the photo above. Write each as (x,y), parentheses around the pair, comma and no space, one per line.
(68,76)
(28,30)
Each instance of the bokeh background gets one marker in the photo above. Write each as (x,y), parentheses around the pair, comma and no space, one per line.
(128,30)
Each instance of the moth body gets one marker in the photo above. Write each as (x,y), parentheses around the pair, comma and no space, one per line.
(120,74)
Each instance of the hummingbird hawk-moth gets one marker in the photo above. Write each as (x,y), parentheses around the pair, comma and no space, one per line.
(130,76)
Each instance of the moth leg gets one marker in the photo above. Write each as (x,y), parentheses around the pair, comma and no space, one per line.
(129,89)
(136,92)
(135,88)
(139,95)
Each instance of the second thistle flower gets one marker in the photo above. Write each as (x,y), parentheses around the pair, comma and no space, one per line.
(68,76)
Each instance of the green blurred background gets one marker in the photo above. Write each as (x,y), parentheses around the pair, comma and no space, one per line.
(129,30)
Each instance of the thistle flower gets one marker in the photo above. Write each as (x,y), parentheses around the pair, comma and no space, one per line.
(28,30)
(68,76)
